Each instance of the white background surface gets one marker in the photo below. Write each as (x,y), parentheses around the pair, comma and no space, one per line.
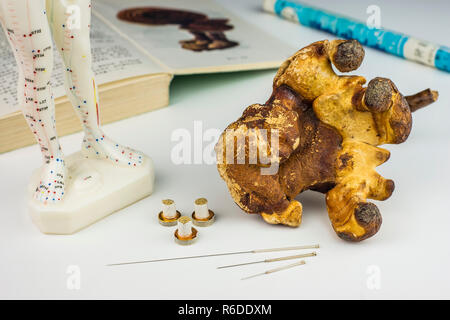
(411,250)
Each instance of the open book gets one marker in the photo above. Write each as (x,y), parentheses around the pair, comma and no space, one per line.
(138,46)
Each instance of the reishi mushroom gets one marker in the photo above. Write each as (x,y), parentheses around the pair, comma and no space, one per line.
(329,128)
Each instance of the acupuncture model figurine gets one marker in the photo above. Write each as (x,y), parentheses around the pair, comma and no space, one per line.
(70,193)
(329,128)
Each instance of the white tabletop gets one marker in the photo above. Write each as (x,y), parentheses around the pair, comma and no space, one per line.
(408,258)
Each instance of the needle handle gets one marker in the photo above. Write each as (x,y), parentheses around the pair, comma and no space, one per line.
(276,270)
(286,248)
(298,256)
(285,267)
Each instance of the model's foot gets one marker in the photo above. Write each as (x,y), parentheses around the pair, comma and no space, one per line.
(51,184)
(292,216)
(104,148)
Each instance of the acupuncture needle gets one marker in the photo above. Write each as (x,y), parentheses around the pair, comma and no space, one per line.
(276,269)
(219,254)
(298,256)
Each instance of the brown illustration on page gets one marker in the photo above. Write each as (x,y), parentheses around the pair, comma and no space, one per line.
(209,34)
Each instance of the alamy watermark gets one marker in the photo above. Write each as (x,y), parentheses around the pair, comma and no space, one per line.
(373,281)
(73,281)
(73,13)
(253,146)
(374,19)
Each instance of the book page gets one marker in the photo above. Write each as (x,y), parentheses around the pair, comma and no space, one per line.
(193,36)
(114,58)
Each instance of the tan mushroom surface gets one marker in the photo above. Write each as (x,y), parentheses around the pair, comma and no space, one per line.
(329,129)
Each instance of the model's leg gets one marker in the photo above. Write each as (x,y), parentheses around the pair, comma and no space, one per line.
(28,32)
(72,39)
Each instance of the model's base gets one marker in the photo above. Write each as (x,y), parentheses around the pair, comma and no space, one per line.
(93,189)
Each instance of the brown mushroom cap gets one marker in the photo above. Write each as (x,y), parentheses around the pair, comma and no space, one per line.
(159,16)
